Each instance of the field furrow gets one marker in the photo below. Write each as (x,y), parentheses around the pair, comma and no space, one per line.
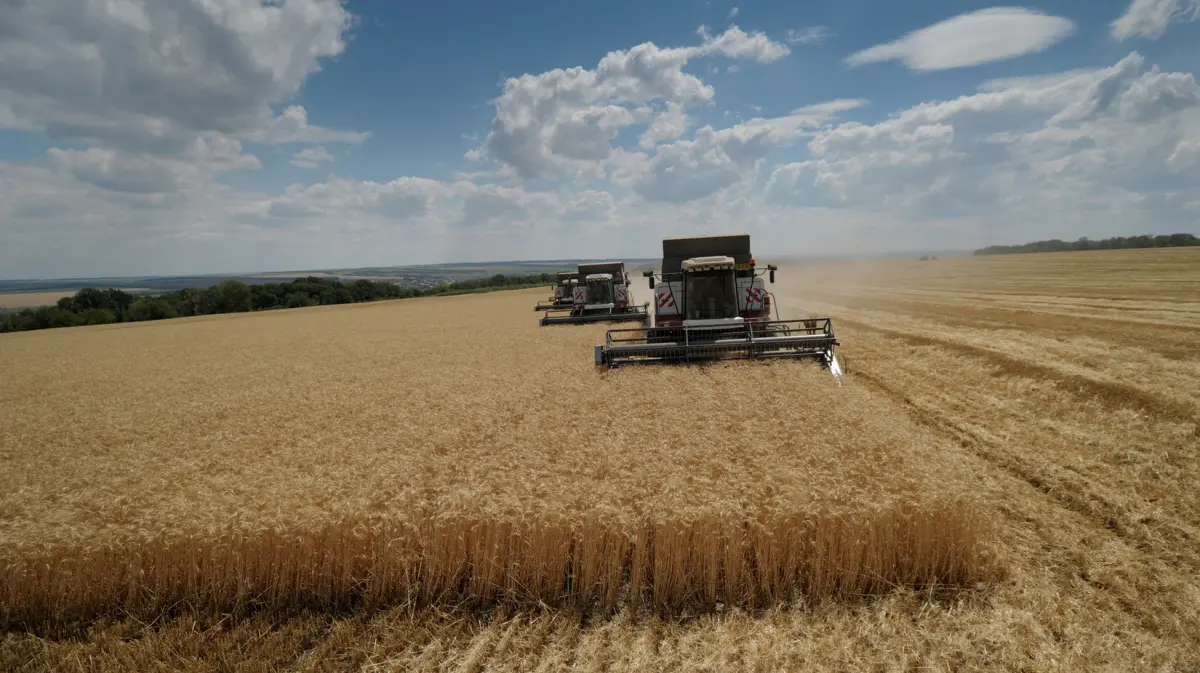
(1163,548)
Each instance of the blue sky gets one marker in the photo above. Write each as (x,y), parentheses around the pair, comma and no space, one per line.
(418,113)
(229,135)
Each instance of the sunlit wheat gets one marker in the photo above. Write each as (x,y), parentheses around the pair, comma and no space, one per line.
(446,452)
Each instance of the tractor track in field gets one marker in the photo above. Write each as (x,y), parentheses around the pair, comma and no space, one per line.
(1064,498)
(1089,505)
(1112,394)
(968,440)
(1173,341)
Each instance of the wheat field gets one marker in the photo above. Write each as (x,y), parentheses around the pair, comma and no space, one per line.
(15,300)
(1004,481)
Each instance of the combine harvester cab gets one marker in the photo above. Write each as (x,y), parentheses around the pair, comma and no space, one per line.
(564,292)
(601,295)
(712,304)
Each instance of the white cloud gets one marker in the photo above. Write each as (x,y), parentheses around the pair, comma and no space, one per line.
(809,35)
(432,205)
(496,208)
(732,13)
(688,170)
(291,126)
(735,43)
(671,123)
(401,198)
(144,76)
(121,171)
(148,104)
(146,189)
(1095,151)
(562,122)
(1150,18)
(590,205)
(971,39)
(1186,154)
(311,157)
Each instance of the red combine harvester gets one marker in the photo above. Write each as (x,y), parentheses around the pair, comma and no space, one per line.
(602,295)
(564,292)
(712,304)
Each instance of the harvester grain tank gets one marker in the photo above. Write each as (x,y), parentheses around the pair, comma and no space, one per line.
(712,304)
(564,292)
(601,295)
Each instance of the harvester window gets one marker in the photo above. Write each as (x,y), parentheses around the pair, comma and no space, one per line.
(711,295)
(600,292)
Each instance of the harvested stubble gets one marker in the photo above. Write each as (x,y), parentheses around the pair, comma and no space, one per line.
(400,453)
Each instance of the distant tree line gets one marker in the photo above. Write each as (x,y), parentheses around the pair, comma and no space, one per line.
(1118,243)
(94,306)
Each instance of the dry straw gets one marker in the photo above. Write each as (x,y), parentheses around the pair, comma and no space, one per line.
(478,561)
(399,453)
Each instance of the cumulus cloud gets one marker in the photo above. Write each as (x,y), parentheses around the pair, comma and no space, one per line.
(1095,144)
(732,13)
(562,122)
(589,205)
(421,203)
(669,124)
(401,198)
(973,38)
(735,43)
(1150,18)
(713,160)
(572,155)
(150,76)
(311,157)
(291,126)
(1186,154)
(148,104)
(121,171)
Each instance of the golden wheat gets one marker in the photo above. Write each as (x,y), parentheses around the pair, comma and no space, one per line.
(446,452)
(1052,388)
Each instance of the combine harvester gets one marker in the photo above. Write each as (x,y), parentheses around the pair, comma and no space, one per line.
(564,292)
(601,295)
(712,305)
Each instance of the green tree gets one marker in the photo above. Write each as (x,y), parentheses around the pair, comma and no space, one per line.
(98,316)
(89,298)
(48,317)
(152,308)
(119,301)
(230,296)
(266,296)
(299,300)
